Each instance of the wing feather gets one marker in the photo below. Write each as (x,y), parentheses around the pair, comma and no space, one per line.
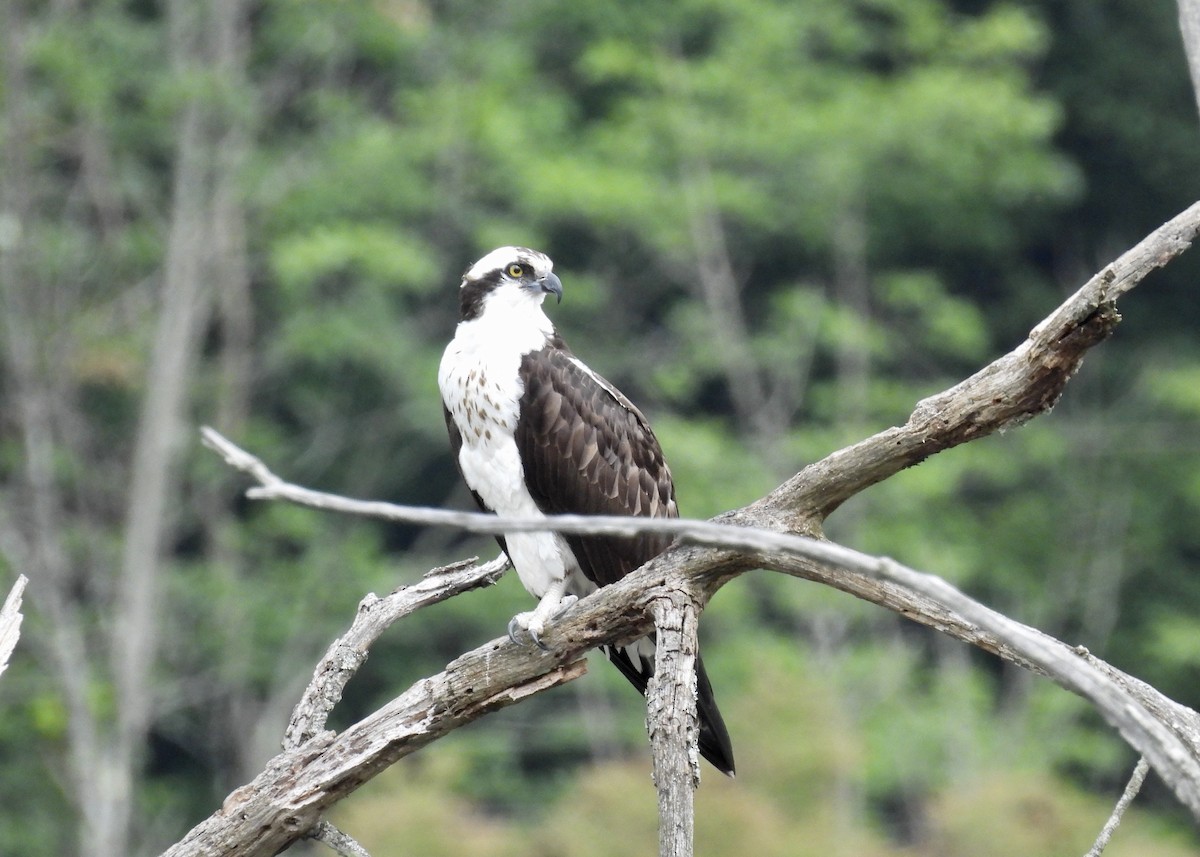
(589,451)
(592,452)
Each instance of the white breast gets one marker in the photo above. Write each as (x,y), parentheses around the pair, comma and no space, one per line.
(480,382)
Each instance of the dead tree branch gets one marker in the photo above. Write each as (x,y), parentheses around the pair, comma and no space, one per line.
(1114,821)
(288,798)
(338,841)
(1168,733)
(1017,387)
(10,621)
(673,721)
(349,651)
(295,789)
(375,615)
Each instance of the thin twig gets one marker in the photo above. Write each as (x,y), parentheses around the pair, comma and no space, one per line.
(273,487)
(340,842)
(1131,789)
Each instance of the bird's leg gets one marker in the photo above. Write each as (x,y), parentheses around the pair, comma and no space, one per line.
(554,603)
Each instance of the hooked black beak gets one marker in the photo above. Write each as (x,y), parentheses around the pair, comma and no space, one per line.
(551,285)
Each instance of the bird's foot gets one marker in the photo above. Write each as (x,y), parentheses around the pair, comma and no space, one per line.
(534,622)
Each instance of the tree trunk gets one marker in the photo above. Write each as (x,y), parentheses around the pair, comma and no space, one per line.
(159,440)
(38,538)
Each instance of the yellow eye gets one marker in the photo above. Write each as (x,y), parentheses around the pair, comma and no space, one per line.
(516,271)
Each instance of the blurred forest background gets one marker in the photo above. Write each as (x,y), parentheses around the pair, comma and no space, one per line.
(779,225)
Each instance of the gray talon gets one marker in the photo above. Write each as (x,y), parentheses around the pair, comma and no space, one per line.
(534,623)
(538,642)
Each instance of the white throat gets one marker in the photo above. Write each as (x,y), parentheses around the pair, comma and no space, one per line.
(479,376)
(512,324)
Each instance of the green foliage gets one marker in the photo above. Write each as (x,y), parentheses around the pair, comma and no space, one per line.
(720,476)
(898,187)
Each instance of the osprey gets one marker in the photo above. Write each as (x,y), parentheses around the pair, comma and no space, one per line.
(535,432)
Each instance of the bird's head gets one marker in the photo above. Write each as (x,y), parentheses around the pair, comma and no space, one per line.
(515,277)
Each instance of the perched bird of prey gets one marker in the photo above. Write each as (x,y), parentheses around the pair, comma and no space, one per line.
(535,432)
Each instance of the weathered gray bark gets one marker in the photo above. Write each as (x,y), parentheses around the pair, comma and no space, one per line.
(10,621)
(287,799)
(672,720)
(375,615)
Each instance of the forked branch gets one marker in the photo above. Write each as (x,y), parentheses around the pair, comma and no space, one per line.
(287,799)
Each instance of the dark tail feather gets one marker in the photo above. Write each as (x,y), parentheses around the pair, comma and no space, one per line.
(714,737)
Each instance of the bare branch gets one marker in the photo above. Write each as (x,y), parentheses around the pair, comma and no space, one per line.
(300,784)
(924,598)
(1022,384)
(238,458)
(10,621)
(1013,389)
(1176,756)
(287,799)
(1131,789)
(375,615)
(272,487)
(673,721)
(340,842)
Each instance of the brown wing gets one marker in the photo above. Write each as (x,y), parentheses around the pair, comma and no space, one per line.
(588,451)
